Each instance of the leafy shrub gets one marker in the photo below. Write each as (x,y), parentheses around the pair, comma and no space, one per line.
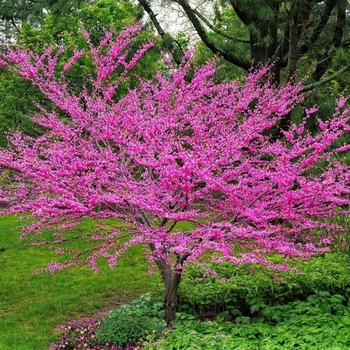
(322,331)
(132,323)
(249,288)
(319,304)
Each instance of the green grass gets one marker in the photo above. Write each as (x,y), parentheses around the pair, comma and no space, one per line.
(31,305)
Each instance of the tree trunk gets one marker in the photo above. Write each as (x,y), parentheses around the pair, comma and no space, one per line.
(171,283)
(171,280)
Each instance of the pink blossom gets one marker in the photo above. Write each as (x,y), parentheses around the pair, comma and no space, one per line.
(181,167)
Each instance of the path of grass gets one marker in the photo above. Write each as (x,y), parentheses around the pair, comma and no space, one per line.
(32,305)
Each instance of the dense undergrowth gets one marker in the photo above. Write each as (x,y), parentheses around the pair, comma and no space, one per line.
(254,309)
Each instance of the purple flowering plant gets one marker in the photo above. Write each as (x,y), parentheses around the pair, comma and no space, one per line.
(173,150)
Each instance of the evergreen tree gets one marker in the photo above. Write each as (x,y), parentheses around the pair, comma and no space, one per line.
(302,37)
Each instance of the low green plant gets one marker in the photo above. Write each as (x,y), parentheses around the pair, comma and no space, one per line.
(257,309)
(131,323)
(322,332)
(319,304)
(249,288)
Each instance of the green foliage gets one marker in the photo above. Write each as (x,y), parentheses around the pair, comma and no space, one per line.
(257,309)
(34,10)
(15,108)
(248,288)
(320,304)
(131,323)
(66,29)
(321,331)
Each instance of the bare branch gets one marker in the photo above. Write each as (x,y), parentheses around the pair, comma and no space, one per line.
(207,41)
(146,6)
(216,30)
(15,25)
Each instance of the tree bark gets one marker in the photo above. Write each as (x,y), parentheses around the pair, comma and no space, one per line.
(230,57)
(293,47)
(171,283)
(171,279)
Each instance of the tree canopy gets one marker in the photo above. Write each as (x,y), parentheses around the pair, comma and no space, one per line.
(14,13)
(185,163)
(35,10)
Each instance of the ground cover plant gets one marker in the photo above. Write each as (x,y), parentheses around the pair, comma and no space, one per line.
(277,318)
(304,332)
(286,311)
(180,148)
(248,289)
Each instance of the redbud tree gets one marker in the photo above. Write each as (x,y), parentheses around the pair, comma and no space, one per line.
(177,149)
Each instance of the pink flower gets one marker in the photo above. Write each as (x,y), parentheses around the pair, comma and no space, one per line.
(184,168)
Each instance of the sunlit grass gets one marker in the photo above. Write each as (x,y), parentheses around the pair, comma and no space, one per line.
(32,305)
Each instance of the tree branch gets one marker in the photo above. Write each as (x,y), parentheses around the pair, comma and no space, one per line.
(146,6)
(216,30)
(206,40)
(335,44)
(327,80)
(244,16)
(15,25)
(330,4)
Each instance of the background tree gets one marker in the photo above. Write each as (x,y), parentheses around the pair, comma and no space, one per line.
(307,40)
(186,165)
(35,10)
(302,37)
(15,13)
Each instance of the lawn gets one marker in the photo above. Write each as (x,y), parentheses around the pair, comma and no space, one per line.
(32,305)
(254,310)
